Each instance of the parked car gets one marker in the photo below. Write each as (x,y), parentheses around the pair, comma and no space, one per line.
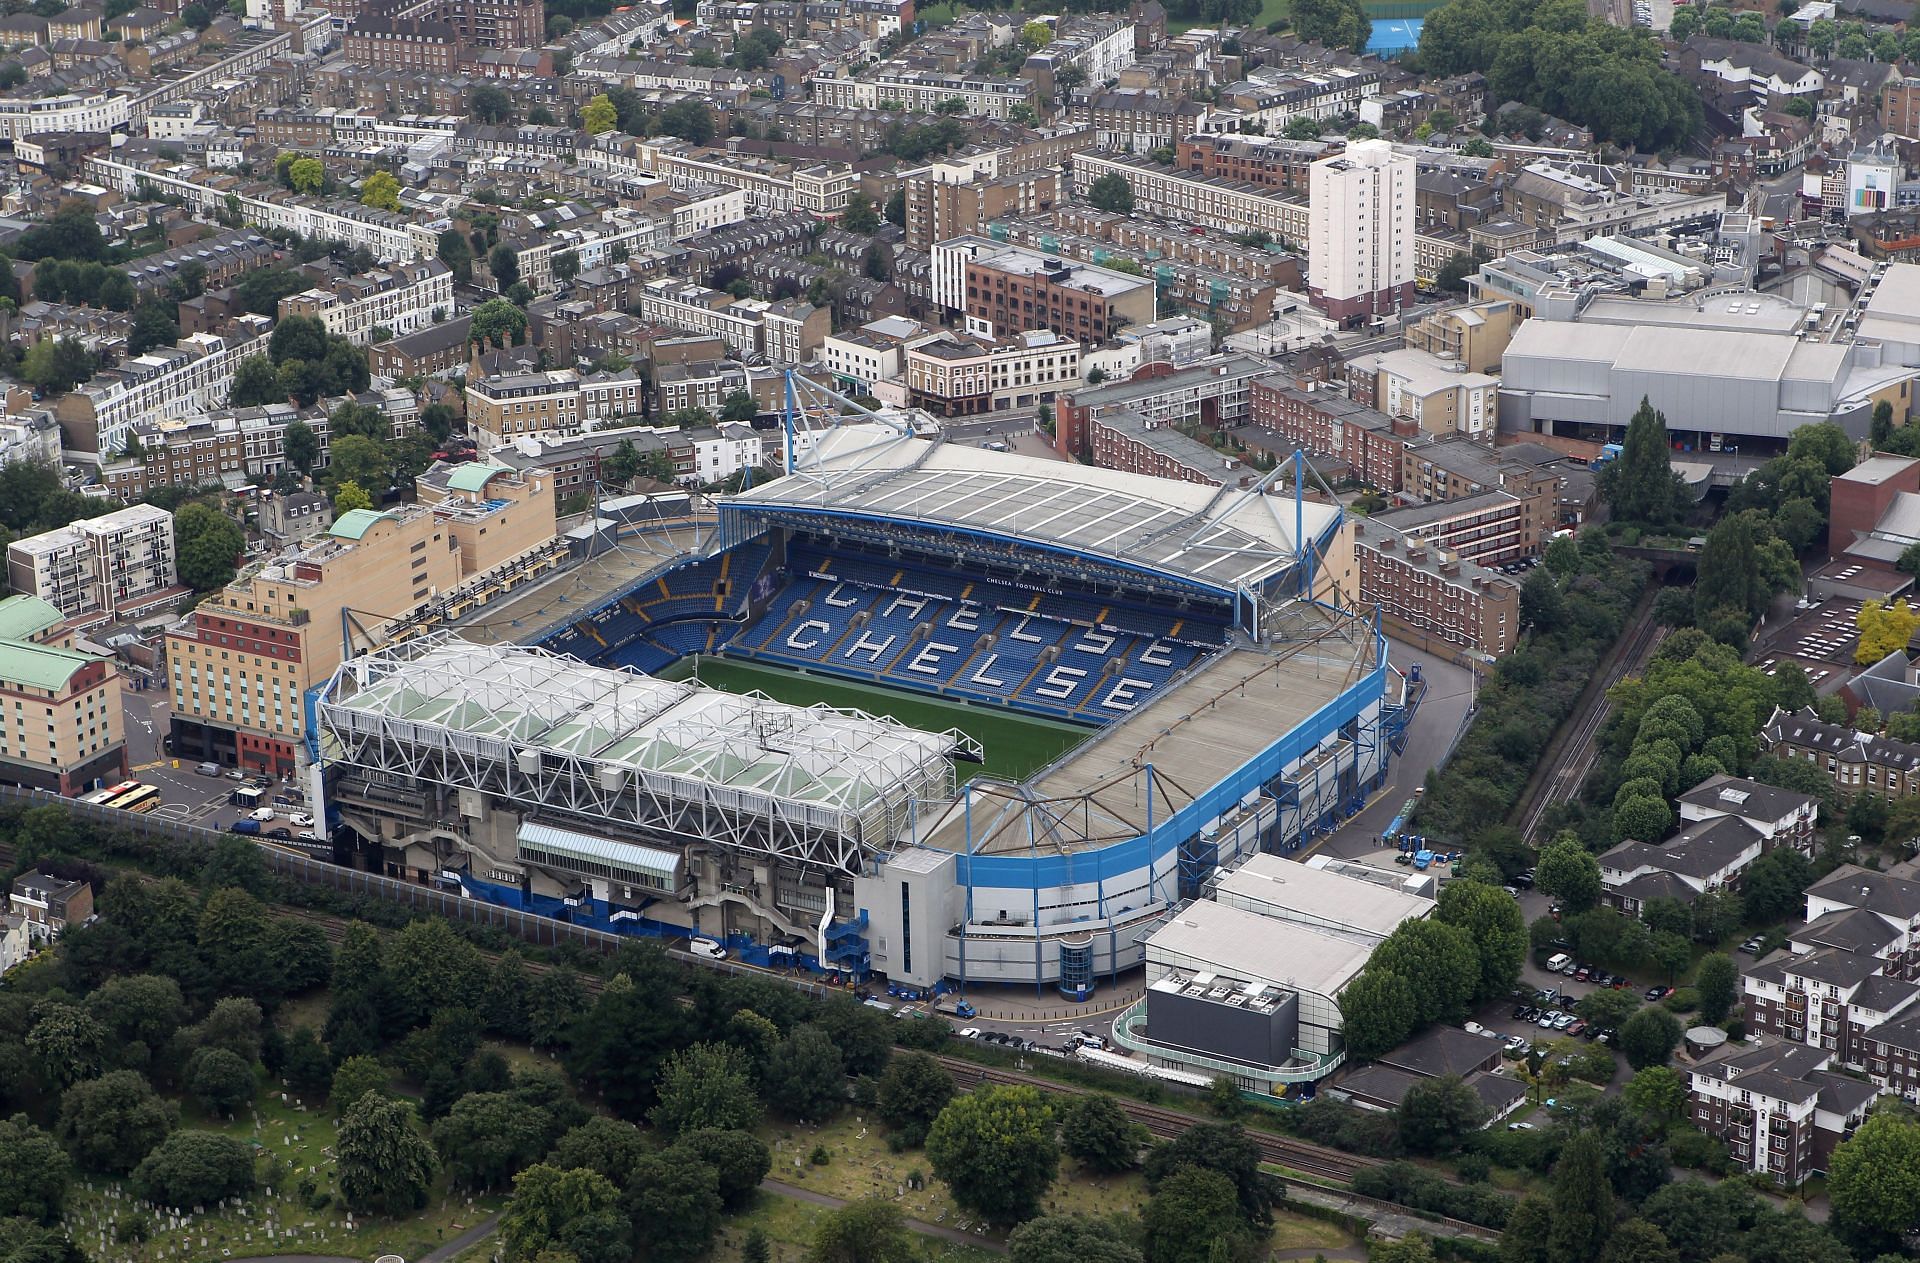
(1562,1021)
(1577,1027)
(208,769)
(970,1032)
(1581,973)
(1546,1020)
(302,820)
(244,826)
(1752,946)
(263,814)
(1520,1126)
(1474,1028)
(1658,993)
(282,834)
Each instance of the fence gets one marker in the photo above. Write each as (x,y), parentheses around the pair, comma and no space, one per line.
(536,930)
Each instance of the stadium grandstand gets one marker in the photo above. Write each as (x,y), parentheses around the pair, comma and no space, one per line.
(1196,698)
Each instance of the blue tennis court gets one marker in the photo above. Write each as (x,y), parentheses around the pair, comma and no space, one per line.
(1393,36)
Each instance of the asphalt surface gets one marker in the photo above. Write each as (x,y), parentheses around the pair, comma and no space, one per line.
(185,794)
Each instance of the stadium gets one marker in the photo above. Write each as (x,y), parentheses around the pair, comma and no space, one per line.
(916,710)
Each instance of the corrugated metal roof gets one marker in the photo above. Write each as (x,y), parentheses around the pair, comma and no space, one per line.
(628,855)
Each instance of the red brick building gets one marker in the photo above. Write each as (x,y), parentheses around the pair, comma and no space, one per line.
(1265,162)
(1326,423)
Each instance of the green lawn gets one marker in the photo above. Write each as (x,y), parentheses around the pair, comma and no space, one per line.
(1015,744)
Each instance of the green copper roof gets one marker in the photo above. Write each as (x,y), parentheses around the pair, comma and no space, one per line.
(474,477)
(39,666)
(354,523)
(24,617)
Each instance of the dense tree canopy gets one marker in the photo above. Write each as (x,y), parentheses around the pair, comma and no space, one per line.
(1552,56)
(996,1150)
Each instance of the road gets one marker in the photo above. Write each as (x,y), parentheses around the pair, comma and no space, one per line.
(185,794)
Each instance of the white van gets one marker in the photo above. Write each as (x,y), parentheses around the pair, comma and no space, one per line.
(708,948)
(1557,963)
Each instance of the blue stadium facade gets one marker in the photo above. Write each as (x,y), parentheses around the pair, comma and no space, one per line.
(1226,707)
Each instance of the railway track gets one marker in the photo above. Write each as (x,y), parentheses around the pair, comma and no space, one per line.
(1163,1123)
(1576,757)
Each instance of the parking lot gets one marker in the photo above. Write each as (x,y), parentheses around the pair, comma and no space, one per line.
(186,794)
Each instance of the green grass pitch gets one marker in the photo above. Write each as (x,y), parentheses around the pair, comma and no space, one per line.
(1015,744)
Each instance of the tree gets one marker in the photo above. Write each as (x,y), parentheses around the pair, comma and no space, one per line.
(454,251)
(1191,1212)
(867,1231)
(490,104)
(679,1204)
(860,215)
(1569,872)
(1494,922)
(499,323)
(380,191)
(1884,629)
(1640,483)
(1378,1011)
(1439,960)
(1649,1038)
(1111,193)
(255,382)
(56,366)
(1071,1239)
(1341,24)
(707,1085)
(302,446)
(1606,1009)
(1717,980)
(362,461)
(220,1081)
(555,1212)
(1437,1115)
(739,1159)
(1658,1095)
(1223,1148)
(807,1080)
(912,1093)
(110,1123)
(605,1145)
(138,1008)
(195,1168)
(1774,884)
(489,1137)
(67,1042)
(349,496)
(1098,1133)
(207,544)
(1582,1201)
(382,1164)
(996,1150)
(1873,1181)
(504,262)
(306,175)
(34,1173)
(598,115)
(153,326)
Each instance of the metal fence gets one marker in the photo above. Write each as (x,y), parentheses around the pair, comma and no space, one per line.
(526,926)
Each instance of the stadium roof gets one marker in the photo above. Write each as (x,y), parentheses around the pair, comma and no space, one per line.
(530,699)
(1222,537)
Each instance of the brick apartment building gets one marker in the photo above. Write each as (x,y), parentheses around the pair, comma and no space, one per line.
(1267,162)
(1325,422)
(1130,442)
(1006,289)
(1780,1108)
(1432,593)
(50,904)
(1213,393)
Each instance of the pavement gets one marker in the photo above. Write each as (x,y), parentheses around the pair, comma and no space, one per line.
(1450,692)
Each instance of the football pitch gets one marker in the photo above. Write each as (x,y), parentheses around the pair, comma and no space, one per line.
(1014,744)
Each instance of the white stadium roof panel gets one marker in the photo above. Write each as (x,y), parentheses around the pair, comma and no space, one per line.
(1221,537)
